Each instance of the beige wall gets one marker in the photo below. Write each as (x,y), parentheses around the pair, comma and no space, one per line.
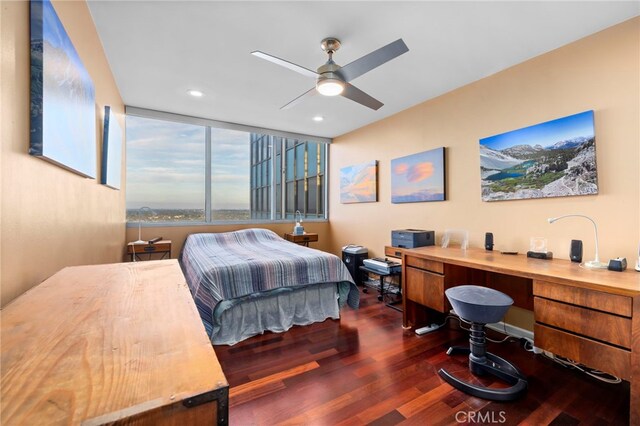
(600,72)
(51,218)
(178,234)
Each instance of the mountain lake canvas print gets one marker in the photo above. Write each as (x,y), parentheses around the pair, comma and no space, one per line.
(63,111)
(358,183)
(552,159)
(418,177)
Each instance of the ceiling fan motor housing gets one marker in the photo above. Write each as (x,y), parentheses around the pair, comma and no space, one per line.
(329,70)
(330,44)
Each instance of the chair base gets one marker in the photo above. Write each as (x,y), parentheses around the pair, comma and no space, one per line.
(489,364)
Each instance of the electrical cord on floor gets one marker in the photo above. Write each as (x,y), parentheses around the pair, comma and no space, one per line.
(596,374)
(508,336)
(528,346)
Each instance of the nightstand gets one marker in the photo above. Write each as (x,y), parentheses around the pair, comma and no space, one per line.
(303,240)
(162,248)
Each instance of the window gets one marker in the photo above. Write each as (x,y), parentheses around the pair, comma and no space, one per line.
(230,182)
(200,172)
(298,177)
(165,171)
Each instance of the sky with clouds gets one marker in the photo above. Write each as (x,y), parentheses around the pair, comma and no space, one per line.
(166,166)
(545,134)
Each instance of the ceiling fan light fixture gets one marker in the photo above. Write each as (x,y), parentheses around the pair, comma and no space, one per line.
(330,86)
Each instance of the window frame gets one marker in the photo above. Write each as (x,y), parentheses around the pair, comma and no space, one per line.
(282,136)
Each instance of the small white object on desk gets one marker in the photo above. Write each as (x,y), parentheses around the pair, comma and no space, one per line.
(298,229)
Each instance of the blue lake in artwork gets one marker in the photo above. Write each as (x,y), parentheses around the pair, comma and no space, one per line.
(504,175)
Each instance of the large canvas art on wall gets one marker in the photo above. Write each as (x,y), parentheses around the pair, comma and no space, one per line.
(63,115)
(418,177)
(552,159)
(358,183)
(111,169)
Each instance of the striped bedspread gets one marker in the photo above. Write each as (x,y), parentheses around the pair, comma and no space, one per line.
(231,265)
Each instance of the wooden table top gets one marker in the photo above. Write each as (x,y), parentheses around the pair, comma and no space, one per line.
(100,343)
(626,282)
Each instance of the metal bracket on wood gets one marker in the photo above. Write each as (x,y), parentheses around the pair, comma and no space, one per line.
(220,395)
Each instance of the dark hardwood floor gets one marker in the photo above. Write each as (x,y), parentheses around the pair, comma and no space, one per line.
(364,369)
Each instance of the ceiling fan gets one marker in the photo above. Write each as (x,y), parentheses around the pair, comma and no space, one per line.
(333,80)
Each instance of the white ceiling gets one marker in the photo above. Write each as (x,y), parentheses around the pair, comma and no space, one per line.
(159,49)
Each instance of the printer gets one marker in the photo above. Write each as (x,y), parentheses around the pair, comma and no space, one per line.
(412,238)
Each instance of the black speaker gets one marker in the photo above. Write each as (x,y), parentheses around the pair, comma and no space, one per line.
(576,251)
(353,263)
(488,241)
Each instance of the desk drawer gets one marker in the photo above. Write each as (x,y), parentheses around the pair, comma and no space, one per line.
(427,265)
(149,248)
(425,288)
(606,302)
(597,325)
(393,251)
(593,354)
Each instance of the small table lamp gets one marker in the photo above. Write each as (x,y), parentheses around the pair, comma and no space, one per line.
(140,210)
(592,264)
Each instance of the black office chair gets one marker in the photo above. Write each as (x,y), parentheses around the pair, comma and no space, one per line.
(480,306)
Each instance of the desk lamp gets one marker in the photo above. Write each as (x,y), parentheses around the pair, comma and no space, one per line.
(140,210)
(591,264)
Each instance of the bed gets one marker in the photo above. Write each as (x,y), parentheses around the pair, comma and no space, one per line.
(250,281)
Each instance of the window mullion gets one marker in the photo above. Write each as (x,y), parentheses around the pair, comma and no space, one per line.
(272,188)
(207,175)
(325,183)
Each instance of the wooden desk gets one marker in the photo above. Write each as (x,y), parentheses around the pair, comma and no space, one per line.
(110,343)
(304,239)
(592,317)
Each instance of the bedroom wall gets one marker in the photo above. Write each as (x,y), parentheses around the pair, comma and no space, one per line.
(178,234)
(600,72)
(50,217)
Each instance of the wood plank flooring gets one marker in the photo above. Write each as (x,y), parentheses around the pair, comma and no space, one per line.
(364,369)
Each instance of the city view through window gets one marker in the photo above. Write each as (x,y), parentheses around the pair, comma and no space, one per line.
(169,164)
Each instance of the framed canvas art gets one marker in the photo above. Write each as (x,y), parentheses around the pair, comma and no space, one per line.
(111,168)
(556,158)
(418,177)
(63,114)
(358,183)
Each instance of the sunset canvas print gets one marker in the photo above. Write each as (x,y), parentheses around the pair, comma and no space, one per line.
(358,183)
(418,177)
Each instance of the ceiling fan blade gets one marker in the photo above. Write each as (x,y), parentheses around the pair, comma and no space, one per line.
(352,92)
(286,64)
(372,60)
(300,98)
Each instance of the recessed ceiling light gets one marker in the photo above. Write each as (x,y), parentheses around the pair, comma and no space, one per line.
(318,118)
(195,93)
